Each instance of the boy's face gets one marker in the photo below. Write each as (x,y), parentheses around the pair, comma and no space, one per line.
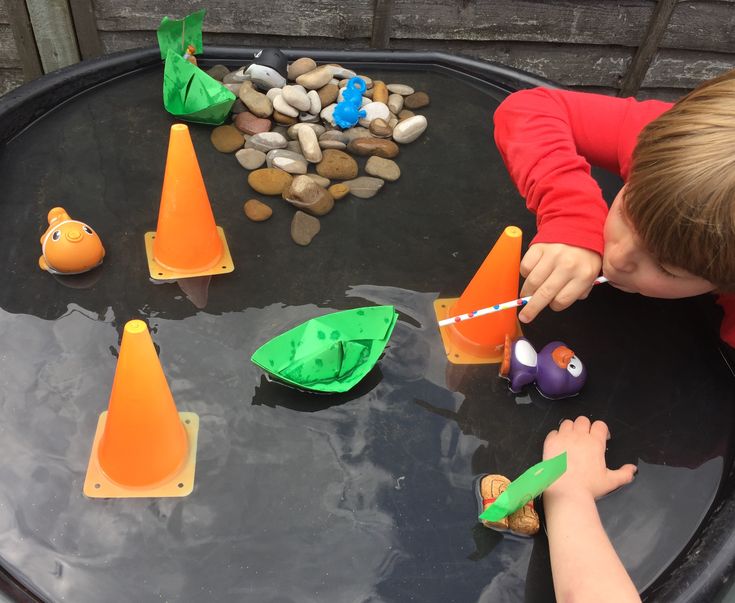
(630,267)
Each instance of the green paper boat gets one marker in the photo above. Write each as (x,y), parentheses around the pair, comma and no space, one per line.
(192,95)
(329,354)
(178,34)
(527,487)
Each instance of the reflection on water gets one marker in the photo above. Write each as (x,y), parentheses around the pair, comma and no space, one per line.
(196,290)
(78,281)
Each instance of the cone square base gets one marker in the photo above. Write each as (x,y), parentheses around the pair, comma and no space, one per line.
(98,485)
(455,355)
(160,273)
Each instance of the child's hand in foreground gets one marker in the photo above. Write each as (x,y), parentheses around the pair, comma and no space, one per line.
(556,275)
(587,474)
(584,563)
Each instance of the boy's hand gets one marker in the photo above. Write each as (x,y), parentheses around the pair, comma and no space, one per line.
(556,275)
(586,474)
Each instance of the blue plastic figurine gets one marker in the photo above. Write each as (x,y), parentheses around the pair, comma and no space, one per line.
(347,112)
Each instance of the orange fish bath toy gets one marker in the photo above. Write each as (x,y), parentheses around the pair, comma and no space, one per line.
(69,246)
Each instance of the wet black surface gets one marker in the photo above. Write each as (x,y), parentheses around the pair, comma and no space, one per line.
(365,496)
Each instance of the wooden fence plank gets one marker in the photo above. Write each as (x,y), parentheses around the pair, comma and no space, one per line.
(9,79)
(85,26)
(686,68)
(702,26)
(382,18)
(112,41)
(569,64)
(644,55)
(54,33)
(8,51)
(705,25)
(323,18)
(579,22)
(25,42)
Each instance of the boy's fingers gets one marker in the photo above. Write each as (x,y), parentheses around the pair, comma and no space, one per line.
(570,293)
(566,426)
(600,430)
(585,293)
(549,444)
(620,477)
(536,277)
(582,424)
(529,261)
(541,298)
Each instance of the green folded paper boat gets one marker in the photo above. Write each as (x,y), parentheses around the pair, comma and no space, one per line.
(527,487)
(329,354)
(192,95)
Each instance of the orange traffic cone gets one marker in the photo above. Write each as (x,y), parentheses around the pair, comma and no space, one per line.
(142,447)
(187,242)
(481,340)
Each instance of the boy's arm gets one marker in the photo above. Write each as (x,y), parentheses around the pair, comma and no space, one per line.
(584,564)
(548,139)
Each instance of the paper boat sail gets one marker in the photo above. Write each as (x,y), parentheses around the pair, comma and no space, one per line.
(178,34)
(331,353)
(192,95)
(527,487)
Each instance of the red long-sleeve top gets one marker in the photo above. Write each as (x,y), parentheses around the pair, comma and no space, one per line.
(550,138)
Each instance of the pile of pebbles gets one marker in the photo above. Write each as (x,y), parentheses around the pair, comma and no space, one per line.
(279,136)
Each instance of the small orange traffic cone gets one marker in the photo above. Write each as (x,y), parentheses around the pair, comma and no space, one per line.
(187,242)
(142,447)
(481,340)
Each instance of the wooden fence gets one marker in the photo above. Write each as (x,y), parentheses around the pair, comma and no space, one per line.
(641,47)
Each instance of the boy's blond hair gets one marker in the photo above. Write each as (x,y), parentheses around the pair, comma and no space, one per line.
(680,195)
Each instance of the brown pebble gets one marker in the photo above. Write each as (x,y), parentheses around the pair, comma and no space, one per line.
(337,165)
(328,94)
(405,114)
(304,228)
(218,72)
(250,124)
(269,181)
(300,66)
(380,128)
(227,139)
(286,120)
(380,92)
(304,193)
(257,211)
(374,146)
(416,100)
(339,191)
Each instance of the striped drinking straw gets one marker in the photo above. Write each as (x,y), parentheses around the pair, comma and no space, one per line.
(521,301)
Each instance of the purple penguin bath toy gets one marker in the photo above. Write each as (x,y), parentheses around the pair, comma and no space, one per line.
(557,372)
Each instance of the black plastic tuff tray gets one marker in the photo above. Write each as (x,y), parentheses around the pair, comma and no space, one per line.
(365,496)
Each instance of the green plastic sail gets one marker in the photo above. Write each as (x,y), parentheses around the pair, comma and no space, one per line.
(192,95)
(331,353)
(177,34)
(527,487)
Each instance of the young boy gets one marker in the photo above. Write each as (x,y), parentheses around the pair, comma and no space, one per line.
(584,564)
(669,233)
